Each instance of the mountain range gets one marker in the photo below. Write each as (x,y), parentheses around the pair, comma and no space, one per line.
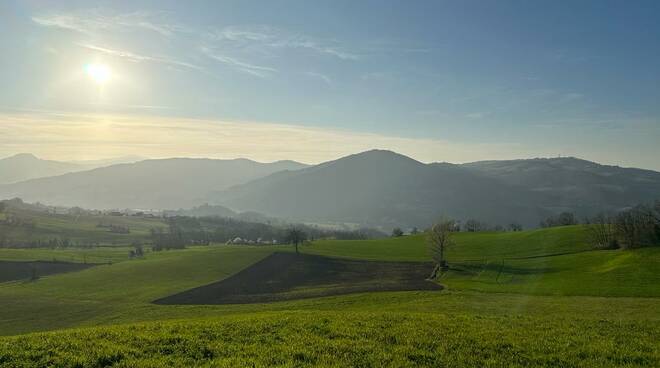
(384,188)
(150,184)
(373,188)
(26,166)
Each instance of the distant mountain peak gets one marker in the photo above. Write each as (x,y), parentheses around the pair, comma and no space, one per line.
(23,156)
(380,154)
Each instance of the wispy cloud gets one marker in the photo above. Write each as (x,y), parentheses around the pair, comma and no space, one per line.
(320,76)
(139,58)
(95,20)
(275,38)
(255,70)
(254,50)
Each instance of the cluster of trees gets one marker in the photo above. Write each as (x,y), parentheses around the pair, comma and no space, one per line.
(471,225)
(137,251)
(184,230)
(174,238)
(562,219)
(634,228)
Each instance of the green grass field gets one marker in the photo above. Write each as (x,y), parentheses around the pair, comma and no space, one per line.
(90,255)
(82,230)
(534,298)
(469,246)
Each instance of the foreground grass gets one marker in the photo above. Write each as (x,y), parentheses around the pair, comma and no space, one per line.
(366,339)
(538,298)
(109,290)
(604,273)
(123,292)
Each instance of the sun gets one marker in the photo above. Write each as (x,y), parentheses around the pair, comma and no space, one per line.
(99,73)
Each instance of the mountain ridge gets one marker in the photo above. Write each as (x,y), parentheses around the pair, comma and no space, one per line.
(472,190)
(373,188)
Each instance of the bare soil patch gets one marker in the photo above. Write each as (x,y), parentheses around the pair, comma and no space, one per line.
(286,276)
(25,270)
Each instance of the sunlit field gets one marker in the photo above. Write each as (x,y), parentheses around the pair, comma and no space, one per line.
(453,326)
(371,183)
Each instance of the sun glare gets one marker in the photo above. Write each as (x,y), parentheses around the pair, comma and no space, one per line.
(98,72)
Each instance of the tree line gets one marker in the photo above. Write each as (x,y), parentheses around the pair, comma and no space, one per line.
(636,227)
(183,230)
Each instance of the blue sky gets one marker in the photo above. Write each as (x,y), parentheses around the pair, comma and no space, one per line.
(439,80)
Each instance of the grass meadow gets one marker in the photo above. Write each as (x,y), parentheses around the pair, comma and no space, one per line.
(534,298)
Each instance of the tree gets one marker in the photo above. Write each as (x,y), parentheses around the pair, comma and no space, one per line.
(439,238)
(638,227)
(34,276)
(397,232)
(414,231)
(515,227)
(473,225)
(3,206)
(295,236)
(602,232)
(563,219)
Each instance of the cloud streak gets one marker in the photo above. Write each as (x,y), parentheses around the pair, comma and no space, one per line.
(93,21)
(241,48)
(259,37)
(327,80)
(255,70)
(133,57)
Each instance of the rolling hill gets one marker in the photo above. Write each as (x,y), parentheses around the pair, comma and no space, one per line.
(25,166)
(519,304)
(150,184)
(576,185)
(384,188)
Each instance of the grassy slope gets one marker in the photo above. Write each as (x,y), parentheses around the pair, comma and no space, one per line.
(458,327)
(91,255)
(107,291)
(469,246)
(337,339)
(604,273)
(555,261)
(80,229)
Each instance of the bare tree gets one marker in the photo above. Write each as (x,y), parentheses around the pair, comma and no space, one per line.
(602,232)
(295,236)
(473,225)
(636,227)
(515,227)
(439,238)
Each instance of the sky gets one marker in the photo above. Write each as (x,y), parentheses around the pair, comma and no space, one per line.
(453,81)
